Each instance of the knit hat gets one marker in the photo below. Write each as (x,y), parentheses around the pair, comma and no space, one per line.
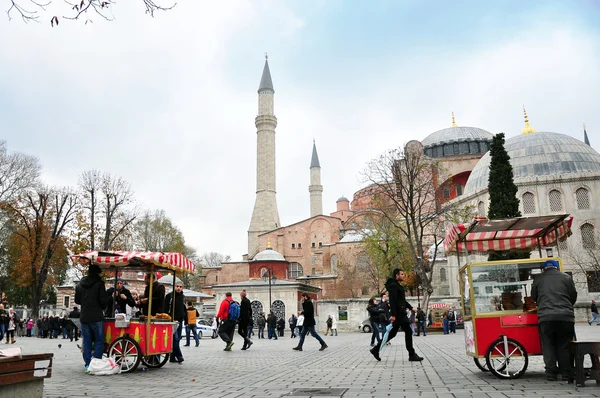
(243,293)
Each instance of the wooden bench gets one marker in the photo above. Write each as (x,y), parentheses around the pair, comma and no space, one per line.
(24,376)
(577,351)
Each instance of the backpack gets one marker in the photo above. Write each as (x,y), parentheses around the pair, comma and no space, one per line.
(234,311)
(451,316)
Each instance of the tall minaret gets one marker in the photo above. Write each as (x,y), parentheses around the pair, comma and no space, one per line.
(265,216)
(315,188)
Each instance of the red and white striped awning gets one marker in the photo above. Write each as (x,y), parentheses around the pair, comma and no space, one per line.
(521,233)
(438,305)
(173,261)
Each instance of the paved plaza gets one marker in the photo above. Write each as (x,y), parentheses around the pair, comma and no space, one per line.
(273,369)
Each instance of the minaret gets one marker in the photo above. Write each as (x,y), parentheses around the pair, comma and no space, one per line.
(265,216)
(315,188)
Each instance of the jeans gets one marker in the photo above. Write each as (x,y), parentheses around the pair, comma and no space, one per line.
(261,332)
(92,332)
(250,330)
(421,325)
(595,318)
(555,337)
(445,324)
(376,333)
(176,339)
(191,328)
(2,326)
(313,333)
(271,332)
(243,331)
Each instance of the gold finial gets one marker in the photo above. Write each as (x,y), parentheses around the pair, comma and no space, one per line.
(453,121)
(269,243)
(527,129)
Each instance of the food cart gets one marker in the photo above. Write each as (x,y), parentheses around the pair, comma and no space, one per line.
(437,314)
(500,317)
(146,339)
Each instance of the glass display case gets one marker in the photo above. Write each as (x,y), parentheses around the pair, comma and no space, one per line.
(499,286)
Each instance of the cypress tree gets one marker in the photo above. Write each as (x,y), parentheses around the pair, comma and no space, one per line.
(503,192)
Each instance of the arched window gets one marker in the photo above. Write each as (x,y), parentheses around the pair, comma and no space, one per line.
(459,189)
(295,270)
(528,203)
(588,236)
(473,147)
(481,209)
(443,276)
(333,262)
(555,198)
(447,150)
(583,198)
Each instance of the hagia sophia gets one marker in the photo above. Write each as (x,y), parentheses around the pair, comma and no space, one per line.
(555,174)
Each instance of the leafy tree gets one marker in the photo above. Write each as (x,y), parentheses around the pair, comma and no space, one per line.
(155,232)
(503,192)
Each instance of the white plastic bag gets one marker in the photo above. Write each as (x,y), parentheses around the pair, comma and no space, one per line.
(104,366)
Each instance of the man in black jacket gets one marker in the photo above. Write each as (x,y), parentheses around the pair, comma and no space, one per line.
(245,317)
(398,318)
(158,297)
(555,293)
(90,293)
(74,331)
(180,315)
(308,310)
(123,299)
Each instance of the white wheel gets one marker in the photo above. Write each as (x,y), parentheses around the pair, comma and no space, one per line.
(126,352)
(506,358)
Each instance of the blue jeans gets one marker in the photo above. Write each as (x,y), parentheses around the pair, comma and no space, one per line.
(92,332)
(445,323)
(376,333)
(191,328)
(2,330)
(272,333)
(595,318)
(421,326)
(176,339)
(313,333)
(261,332)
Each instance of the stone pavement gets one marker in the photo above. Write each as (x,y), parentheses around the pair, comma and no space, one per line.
(273,369)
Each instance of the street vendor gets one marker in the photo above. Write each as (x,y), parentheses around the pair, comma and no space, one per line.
(158,297)
(123,299)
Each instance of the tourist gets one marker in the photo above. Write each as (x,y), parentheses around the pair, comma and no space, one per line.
(261,322)
(292,322)
(192,316)
(375,311)
(595,317)
(245,318)
(175,301)
(227,328)
(308,310)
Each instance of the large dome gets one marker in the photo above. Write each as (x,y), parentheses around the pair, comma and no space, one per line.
(456,134)
(268,255)
(538,156)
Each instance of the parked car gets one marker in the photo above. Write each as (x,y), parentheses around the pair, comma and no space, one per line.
(204,328)
(365,326)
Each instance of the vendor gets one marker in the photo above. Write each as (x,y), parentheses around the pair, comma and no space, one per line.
(158,297)
(123,299)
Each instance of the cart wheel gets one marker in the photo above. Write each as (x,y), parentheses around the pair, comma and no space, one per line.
(508,362)
(482,365)
(155,361)
(126,352)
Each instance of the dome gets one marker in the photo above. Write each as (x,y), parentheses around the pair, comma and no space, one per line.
(536,155)
(456,134)
(342,199)
(268,255)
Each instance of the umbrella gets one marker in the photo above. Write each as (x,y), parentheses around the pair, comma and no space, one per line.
(168,280)
(385,337)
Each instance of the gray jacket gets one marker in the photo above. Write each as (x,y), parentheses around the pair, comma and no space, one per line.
(554,292)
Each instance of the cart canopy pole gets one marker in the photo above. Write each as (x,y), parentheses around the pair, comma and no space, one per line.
(173,296)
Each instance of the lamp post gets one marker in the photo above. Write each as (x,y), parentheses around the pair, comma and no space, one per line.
(270,276)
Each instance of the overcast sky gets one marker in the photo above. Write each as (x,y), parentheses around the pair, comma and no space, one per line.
(168,103)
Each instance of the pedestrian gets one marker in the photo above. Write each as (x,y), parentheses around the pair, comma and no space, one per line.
(430,318)
(55,325)
(420,322)
(90,293)
(555,293)
(192,317)
(398,318)
(11,326)
(384,317)
(308,326)
(30,324)
(299,323)
(292,322)
(118,299)
(280,326)
(63,325)
(333,326)
(3,321)
(245,318)
(46,327)
(375,311)
(214,327)
(595,317)
(228,315)
(158,297)
(261,322)
(445,322)
(329,324)
(272,326)
(74,317)
(175,301)
(451,321)
(413,322)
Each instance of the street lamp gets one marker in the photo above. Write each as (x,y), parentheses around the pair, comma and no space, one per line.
(269,275)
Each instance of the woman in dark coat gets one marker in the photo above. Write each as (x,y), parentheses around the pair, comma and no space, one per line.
(375,312)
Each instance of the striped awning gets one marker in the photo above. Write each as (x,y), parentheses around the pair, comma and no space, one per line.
(523,233)
(438,305)
(173,261)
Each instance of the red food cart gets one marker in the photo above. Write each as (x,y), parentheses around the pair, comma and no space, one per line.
(148,340)
(500,317)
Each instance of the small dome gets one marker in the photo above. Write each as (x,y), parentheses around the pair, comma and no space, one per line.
(342,199)
(456,134)
(538,155)
(268,255)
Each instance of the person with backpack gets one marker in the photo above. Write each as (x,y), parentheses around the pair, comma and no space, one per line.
(229,313)
(451,321)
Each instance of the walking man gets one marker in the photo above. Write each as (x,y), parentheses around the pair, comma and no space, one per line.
(90,294)
(451,321)
(192,316)
(595,317)
(554,292)
(398,318)
(245,317)
(176,300)
(228,318)
(74,333)
(292,322)
(308,310)
(421,322)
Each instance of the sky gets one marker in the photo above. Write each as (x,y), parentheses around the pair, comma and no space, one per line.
(168,102)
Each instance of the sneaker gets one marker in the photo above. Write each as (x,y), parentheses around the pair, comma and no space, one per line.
(244,348)
(323,347)
(415,358)
(375,353)
(186,345)
(297,348)
(180,359)
(86,369)
(228,347)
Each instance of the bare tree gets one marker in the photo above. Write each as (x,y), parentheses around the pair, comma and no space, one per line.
(587,260)
(32,10)
(155,232)
(17,172)
(213,259)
